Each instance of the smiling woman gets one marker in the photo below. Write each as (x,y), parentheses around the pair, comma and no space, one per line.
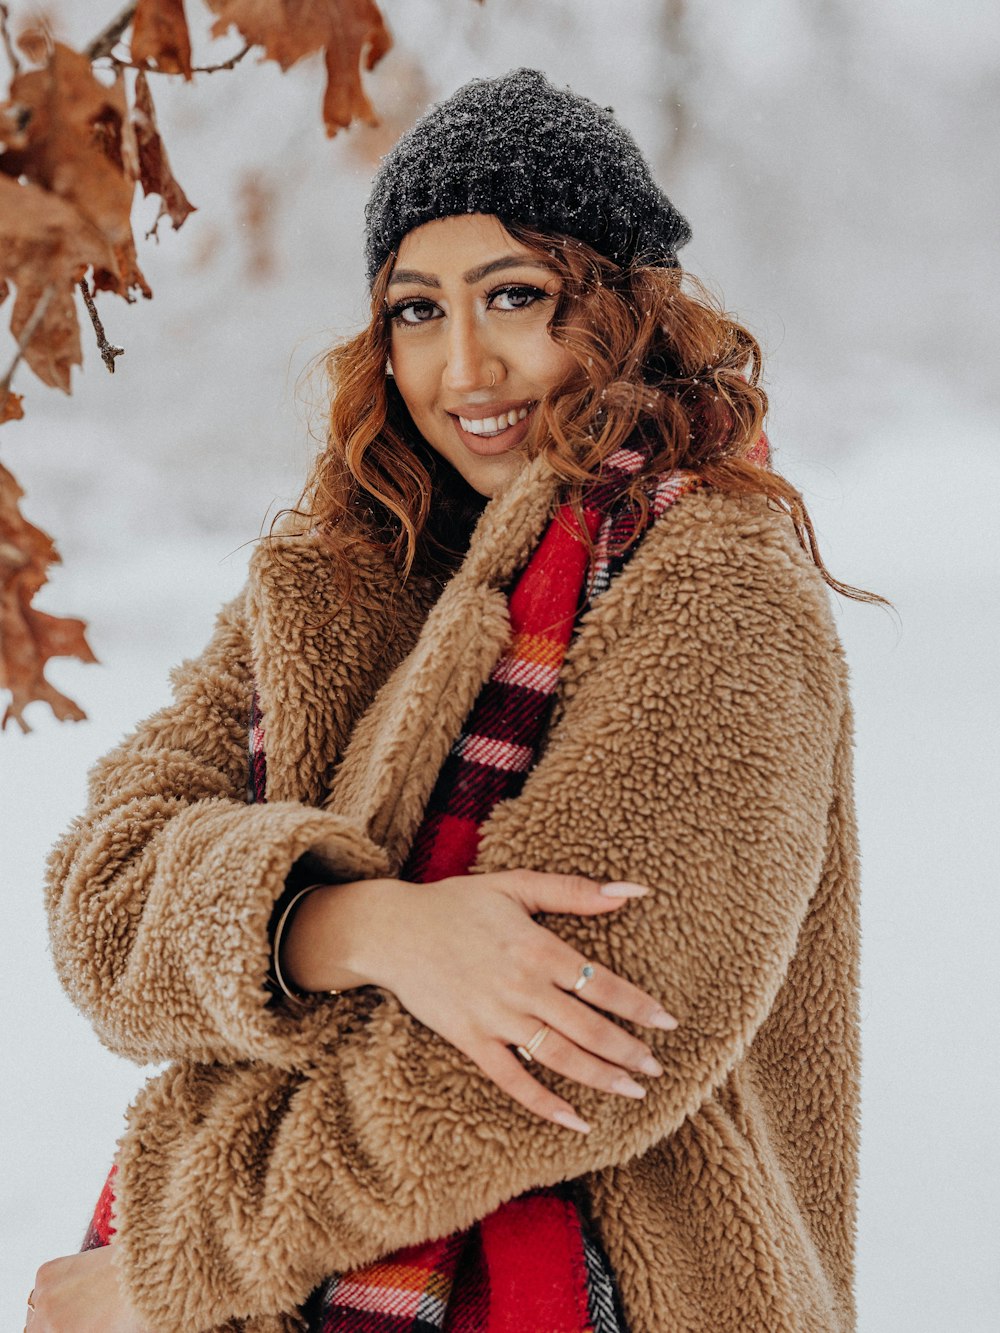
(491,886)
(471,351)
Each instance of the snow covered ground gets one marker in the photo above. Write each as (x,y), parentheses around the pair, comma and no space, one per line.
(829,165)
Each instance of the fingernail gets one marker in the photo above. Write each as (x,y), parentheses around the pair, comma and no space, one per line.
(661,1019)
(571,1121)
(623,888)
(627,1086)
(651,1066)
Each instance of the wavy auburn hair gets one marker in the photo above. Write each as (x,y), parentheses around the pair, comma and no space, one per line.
(657,364)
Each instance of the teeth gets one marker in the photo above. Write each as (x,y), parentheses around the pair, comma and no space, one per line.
(494,425)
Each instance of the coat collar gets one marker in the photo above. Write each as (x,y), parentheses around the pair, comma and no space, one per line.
(407,665)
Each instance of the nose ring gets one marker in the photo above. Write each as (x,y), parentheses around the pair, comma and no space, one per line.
(493,378)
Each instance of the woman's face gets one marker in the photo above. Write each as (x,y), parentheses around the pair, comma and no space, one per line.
(470,347)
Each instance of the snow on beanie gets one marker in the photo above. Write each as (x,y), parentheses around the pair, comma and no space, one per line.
(528,152)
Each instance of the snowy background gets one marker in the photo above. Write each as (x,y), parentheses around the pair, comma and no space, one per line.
(838,163)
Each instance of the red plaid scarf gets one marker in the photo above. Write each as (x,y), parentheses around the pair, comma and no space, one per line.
(533,1264)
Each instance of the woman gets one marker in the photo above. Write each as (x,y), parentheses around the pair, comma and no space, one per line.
(548,639)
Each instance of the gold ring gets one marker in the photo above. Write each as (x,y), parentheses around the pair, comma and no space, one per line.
(586,972)
(528,1052)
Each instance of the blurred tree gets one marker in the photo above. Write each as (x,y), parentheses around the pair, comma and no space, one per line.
(78,133)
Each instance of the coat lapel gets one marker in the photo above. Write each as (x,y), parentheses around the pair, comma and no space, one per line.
(397,748)
(361,703)
(318,663)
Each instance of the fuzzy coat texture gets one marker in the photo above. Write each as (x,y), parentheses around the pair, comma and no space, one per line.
(701,744)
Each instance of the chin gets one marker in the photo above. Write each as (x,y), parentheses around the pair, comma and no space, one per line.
(489,476)
(485,474)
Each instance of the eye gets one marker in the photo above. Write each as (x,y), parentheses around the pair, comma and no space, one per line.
(411,311)
(516,297)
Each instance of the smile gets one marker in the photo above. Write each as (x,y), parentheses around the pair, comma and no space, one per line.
(489,426)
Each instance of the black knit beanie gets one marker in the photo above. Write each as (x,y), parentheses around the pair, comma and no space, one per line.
(528,152)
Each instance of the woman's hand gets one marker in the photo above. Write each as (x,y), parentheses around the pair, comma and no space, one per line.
(464,956)
(80,1294)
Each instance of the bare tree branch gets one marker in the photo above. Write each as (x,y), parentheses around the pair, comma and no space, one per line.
(231,63)
(15,64)
(107,350)
(675,38)
(27,333)
(105,42)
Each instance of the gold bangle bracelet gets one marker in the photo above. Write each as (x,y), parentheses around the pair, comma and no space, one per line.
(276,947)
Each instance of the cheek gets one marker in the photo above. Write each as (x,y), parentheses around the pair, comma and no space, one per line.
(415,374)
(551,363)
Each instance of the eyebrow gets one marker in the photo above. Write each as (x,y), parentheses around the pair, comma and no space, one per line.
(474,274)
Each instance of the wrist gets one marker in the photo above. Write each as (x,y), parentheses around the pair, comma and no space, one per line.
(332,940)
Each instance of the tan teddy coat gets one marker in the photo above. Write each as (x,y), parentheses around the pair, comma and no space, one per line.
(701,744)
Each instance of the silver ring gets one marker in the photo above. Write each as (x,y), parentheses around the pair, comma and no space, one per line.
(586,972)
(528,1052)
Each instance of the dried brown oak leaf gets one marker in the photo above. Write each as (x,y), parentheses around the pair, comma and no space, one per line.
(155,175)
(29,638)
(402,95)
(45,248)
(160,37)
(35,41)
(68,133)
(11,406)
(348,32)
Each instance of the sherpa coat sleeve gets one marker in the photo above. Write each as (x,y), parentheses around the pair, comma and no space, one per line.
(694,750)
(168,825)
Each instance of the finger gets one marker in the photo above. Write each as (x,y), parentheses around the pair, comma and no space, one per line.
(541,891)
(589,1031)
(605,989)
(563,1056)
(500,1064)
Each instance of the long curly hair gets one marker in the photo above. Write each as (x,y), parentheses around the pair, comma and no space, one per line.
(658,363)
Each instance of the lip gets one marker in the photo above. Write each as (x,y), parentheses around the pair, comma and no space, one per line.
(480,411)
(486,446)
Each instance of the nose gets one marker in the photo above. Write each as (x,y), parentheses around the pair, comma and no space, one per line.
(471,362)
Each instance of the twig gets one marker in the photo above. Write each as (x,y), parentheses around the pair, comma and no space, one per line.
(27,333)
(8,44)
(105,42)
(107,350)
(231,63)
